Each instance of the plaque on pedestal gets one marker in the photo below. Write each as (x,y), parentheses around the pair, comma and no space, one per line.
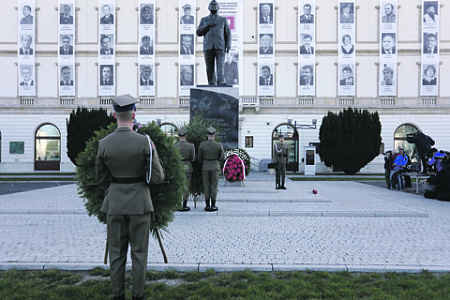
(220,105)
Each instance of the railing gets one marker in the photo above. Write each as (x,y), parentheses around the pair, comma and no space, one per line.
(266,101)
(429,101)
(147,101)
(185,101)
(66,101)
(387,101)
(249,101)
(254,164)
(26,101)
(306,101)
(105,101)
(346,101)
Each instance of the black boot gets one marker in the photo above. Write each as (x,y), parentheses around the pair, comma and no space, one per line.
(208,207)
(213,206)
(120,297)
(137,298)
(278,186)
(185,207)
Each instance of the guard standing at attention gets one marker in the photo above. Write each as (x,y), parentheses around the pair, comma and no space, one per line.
(187,151)
(281,157)
(210,153)
(124,159)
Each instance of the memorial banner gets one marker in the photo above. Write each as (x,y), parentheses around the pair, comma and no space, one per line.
(346,36)
(26,50)
(106,49)
(66,47)
(146,51)
(266,46)
(187,38)
(430,49)
(388,48)
(306,48)
(233,10)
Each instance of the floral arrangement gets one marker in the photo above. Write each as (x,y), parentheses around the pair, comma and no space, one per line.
(236,165)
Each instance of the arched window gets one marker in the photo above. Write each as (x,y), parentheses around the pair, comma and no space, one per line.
(400,140)
(48,148)
(169,129)
(290,138)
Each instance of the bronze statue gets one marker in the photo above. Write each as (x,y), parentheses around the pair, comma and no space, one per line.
(217,41)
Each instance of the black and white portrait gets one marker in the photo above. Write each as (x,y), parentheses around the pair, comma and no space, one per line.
(26,71)
(266,43)
(26,41)
(106,75)
(65,14)
(430,12)
(307,75)
(347,13)
(429,75)
(347,77)
(66,76)
(347,44)
(266,76)
(430,43)
(186,75)
(388,13)
(107,14)
(187,44)
(307,17)
(307,46)
(266,13)
(106,44)
(66,44)
(187,18)
(27,16)
(388,43)
(146,14)
(146,75)
(388,75)
(146,47)
(231,69)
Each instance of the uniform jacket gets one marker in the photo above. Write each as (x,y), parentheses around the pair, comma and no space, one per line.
(217,37)
(187,20)
(125,153)
(347,19)
(187,151)
(63,82)
(304,19)
(281,153)
(209,154)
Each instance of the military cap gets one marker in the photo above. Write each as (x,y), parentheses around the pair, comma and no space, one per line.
(124,103)
(211,130)
(187,6)
(182,131)
(281,136)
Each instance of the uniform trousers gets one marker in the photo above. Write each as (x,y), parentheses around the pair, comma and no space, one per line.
(210,181)
(188,182)
(281,173)
(132,229)
(217,56)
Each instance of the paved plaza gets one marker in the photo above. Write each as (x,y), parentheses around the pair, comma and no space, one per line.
(347,226)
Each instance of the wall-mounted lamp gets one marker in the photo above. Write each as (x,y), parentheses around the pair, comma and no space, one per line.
(267,123)
(158,121)
(303,126)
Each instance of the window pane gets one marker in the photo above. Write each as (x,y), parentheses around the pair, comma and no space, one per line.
(47,150)
(48,131)
(169,129)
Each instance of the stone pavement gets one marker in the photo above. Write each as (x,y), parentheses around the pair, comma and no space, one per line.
(346,226)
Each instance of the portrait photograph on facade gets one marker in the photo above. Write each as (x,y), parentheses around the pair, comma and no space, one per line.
(187,75)
(106,75)
(146,47)
(307,17)
(26,44)
(27,75)
(430,13)
(231,68)
(347,76)
(266,43)
(347,15)
(347,44)
(66,78)
(429,75)
(388,77)
(146,14)
(388,43)
(388,11)
(107,14)
(106,44)
(266,76)
(65,14)
(66,42)
(187,17)
(430,43)
(146,75)
(187,44)
(307,75)
(27,15)
(307,46)
(266,13)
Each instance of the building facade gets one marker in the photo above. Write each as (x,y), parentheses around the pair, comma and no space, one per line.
(33,121)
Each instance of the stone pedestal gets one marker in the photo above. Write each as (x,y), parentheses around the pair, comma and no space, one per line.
(219,105)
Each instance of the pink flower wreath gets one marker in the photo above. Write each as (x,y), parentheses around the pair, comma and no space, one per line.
(234,168)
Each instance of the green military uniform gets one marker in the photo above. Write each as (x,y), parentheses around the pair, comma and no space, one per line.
(187,151)
(123,158)
(281,157)
(210,153)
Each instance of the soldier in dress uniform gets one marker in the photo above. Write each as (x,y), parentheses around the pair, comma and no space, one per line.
(210,153)
(187,151)
(123,158)
(281,157)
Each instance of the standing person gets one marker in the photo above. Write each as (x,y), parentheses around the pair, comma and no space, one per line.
(423,145)
(187,151)
(216,42)
(210,153)
(281,158)
(388,161)
(122,160)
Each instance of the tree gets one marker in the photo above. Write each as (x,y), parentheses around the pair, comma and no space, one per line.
(81,126)
(350,140)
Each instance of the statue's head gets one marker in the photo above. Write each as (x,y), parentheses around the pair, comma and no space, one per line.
(213,6)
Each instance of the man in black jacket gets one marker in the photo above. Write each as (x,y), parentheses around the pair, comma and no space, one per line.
(423,145)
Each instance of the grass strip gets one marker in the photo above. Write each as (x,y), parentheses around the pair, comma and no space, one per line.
(335,179)
(95,284)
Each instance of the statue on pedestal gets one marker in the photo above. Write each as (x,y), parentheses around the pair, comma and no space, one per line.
(216,42)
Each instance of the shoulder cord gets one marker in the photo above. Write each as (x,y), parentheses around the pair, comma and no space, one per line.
(148,174)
